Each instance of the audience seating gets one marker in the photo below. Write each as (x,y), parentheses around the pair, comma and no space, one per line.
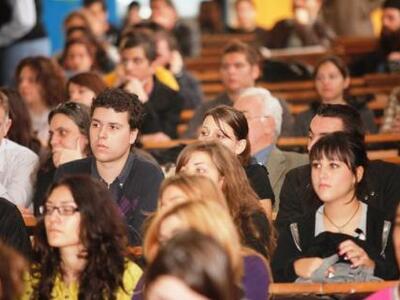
(353,290)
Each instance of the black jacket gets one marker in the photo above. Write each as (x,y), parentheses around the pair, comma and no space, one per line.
(141,189)
(287,253)
(382,191)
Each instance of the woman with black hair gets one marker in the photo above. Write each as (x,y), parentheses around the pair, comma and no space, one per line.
(80,245)
(343,229)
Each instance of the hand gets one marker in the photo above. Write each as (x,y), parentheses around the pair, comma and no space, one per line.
(136,87)
(176,63)
(304,267)
(64,155)
(356,254)
(394,56)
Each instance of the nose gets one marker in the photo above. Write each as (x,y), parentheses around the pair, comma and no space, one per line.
(54,140)
(102,132)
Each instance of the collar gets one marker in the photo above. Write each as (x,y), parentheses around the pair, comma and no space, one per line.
(262,156)
(122,177)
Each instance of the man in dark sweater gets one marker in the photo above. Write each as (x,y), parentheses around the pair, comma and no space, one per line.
(162,105)
(382,188)
(133,181)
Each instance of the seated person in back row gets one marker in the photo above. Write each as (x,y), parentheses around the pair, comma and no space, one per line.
(240,68)
(133,181)
(162,105)
(381,188)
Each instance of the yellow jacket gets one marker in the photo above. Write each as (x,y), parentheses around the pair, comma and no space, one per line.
(162,74)
(60,291)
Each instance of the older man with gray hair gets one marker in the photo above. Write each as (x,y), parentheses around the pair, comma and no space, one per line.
(264,116)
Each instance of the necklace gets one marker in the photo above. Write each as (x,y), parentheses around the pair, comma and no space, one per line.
(340,227)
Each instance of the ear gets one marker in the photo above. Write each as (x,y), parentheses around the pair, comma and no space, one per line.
(346,82)
(359,173)
(255,71)
(7,125)
(133,136)
(240,146)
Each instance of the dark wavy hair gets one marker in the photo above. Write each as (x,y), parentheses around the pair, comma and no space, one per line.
(237,121)
(345,147)
(103,235)
(49,76)
(197,260)
(21,130)
(121,101)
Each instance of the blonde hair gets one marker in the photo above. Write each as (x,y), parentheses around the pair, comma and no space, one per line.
(207,217)
(195,187)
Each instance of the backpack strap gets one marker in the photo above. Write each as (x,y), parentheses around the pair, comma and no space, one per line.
(294,230)
(385,236)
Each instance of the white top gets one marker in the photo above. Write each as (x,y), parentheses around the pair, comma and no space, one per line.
(319,221)
(23,19)
(18,167)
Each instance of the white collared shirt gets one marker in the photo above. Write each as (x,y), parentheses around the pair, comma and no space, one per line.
(18,167)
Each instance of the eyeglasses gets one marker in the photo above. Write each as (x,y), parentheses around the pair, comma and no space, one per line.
(67,210)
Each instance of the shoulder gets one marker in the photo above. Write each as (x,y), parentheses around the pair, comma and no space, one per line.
(255,170)
(22,152)
(145,166)
(75,167)
(6,207)
(294,158)
(300,172)
(384,168)
(131,276)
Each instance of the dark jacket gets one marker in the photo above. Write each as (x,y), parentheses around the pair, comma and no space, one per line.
(162,111)
(287,253)
(382,190)
(12,228)
(140,190)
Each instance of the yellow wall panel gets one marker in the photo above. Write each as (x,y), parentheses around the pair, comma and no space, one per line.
(270,11)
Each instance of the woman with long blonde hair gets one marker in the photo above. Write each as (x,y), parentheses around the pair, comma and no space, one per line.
(212,219)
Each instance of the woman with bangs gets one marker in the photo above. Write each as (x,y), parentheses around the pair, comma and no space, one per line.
(211,219)
(229,126)
(343,229)
(217,162)
(80,245)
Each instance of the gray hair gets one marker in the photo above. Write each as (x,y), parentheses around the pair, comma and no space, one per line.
(271,105)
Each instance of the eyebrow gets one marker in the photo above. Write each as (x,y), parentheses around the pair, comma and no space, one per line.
(62,202)
(108,123)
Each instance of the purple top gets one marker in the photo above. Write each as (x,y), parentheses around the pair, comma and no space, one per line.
(255,281)
(256,278)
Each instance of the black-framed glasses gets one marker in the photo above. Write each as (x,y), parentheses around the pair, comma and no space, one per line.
(66,210)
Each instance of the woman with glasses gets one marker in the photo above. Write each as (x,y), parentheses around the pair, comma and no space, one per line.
(229,126)
(80,245)
(69,129)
